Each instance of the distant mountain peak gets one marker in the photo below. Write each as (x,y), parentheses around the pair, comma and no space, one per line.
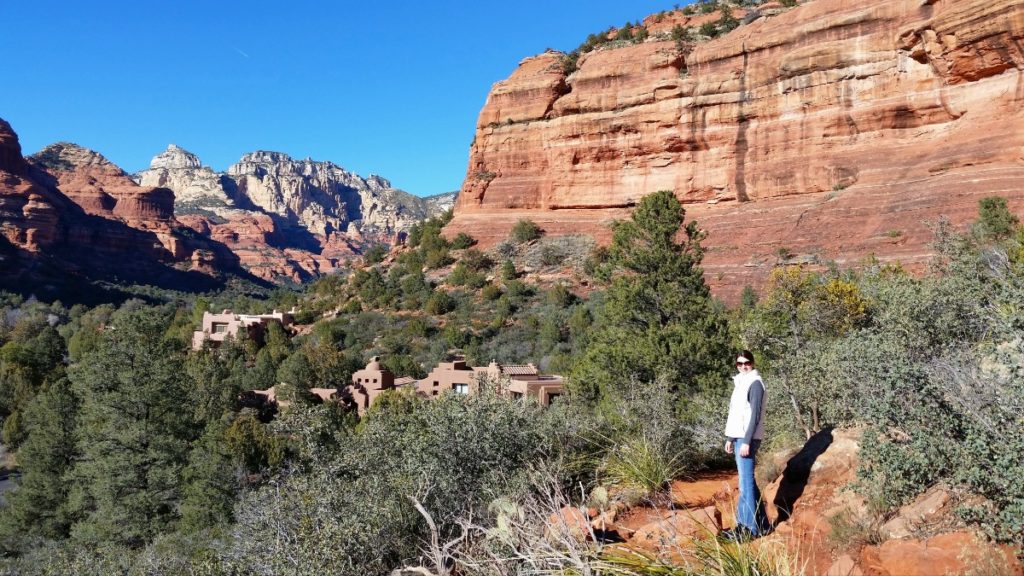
(66,156)
(175,157)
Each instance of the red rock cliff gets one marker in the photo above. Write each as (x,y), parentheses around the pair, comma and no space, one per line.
(828,132)
(68,217)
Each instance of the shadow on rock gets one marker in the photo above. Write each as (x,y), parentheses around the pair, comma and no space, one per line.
(798,470)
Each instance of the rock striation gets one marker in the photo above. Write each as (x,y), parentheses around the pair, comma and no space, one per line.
(830,131)
(287,219)
(69,217)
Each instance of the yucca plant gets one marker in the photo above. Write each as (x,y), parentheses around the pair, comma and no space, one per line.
(702,557)
(640,464)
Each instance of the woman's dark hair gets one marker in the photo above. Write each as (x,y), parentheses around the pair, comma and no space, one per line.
(746,354)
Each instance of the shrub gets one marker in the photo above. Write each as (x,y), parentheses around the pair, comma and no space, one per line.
(375,254)
(995,221)
(437,258)
(551,255)
(709,29)
(508,271)
(727,22)
(852,532)
(476,260)
(462,241)
(439,303)
(525,231)
(639,464)
(490,292)
(505,248)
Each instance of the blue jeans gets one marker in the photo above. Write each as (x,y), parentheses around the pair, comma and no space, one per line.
(749,509)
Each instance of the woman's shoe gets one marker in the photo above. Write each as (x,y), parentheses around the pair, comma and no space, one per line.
(740,534)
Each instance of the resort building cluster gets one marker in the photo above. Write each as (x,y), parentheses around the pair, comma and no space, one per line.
(455,376)
(219,327)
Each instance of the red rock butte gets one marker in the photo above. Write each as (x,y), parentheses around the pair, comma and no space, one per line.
(828,132)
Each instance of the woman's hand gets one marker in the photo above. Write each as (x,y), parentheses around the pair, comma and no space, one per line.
(728,446)
(745,451)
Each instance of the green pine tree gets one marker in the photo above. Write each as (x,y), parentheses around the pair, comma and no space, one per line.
(133,433)
(658,320)
(37,507)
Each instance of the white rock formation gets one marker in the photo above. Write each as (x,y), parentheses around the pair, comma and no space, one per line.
(321,197)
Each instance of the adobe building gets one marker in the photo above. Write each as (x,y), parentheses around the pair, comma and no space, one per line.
(219,327)
(517,380)
(369,383)
(454,376)
(524,380)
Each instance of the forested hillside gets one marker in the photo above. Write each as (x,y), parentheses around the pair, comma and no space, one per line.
(135,455)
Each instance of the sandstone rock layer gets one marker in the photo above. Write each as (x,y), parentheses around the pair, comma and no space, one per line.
(69,217)
(830,131)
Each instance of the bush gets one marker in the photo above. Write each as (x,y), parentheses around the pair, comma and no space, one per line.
(508,271)
(490,292)
(462,241)
(406,453)
(437,258)
(995,221)
(639,464)
(375,254)
(551,255)
(526,231)
(439,303)
(709,29)
(476,260)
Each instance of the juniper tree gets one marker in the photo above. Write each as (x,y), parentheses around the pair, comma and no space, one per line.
(37,508)
(133,433)
(658,319)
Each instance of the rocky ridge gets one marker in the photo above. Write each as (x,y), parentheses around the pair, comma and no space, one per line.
(69,217)
(287,219)
(826,132)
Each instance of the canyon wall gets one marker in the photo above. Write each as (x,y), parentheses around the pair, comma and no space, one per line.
(287,220)
(70,219)
(828,132)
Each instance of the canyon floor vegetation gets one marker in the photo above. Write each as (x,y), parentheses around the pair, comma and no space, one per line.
(136,455)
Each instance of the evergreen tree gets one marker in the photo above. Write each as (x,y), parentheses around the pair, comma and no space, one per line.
(133,433)
(37,507)
(211,481)
(658,319)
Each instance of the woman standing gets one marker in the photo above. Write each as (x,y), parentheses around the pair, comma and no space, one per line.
(744,431)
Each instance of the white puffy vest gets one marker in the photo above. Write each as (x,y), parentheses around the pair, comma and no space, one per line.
(739,407)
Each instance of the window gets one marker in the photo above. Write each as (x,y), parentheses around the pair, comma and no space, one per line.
(461,388)
(220,328)
(436,383)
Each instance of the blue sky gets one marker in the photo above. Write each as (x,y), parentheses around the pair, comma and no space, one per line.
(391,88)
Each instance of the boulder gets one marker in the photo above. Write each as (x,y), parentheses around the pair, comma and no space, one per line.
(678,527)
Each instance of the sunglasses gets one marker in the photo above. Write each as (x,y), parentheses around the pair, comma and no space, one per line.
(748,363)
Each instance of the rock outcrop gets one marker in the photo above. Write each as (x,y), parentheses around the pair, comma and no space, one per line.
(830,131)
(287,219)
(818,521)
(69,217)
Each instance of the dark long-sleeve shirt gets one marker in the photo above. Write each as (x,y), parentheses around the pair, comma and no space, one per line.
(755,395)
